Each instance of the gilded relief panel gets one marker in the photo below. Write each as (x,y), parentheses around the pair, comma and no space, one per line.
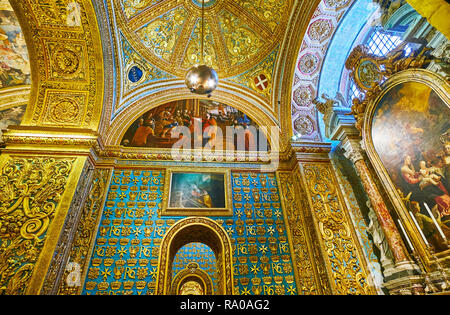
(336,233)
(65,107)
(25,220)
(161,34)
(78,258)
(66,61)
(306,263)
(241,41)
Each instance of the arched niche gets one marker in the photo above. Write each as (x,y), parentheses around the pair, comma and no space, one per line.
(405,130)
(201,230)
(184,281)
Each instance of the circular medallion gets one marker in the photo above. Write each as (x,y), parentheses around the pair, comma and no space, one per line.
(135,74)
(261,82)
(66,61)
(303,96)
(65,111)
(368,73)
(308,64)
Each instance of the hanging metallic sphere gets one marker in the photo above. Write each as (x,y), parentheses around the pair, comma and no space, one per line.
(201,79)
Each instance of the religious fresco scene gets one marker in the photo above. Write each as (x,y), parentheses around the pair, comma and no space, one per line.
(117,117)
(154,128)
(409,131)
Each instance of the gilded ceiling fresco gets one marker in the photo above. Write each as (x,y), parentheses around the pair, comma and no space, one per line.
(238,35)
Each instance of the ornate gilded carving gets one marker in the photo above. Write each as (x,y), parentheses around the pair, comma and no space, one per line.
(305,263)
(161,34)
(269,11)
(66,47)
(241,41)
(337,239)
(259,78)
(369,71)
(66,235)
(66,61)
(193,53)
(30,190)
(64,107)
(86,228)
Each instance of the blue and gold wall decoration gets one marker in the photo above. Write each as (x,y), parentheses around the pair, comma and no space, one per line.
(125,254)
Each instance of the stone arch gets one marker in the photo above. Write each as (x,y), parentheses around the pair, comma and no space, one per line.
(63,94)
(202,230)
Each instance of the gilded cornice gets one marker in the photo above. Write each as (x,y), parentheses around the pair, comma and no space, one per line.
(14,96)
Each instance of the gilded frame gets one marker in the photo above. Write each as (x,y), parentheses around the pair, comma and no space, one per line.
(167,210)
(442,89)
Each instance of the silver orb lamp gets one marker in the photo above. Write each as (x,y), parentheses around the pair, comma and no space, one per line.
(202,79)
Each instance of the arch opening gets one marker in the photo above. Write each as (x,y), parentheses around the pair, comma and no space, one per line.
(196,230)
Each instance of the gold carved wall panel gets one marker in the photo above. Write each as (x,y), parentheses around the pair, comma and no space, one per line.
(34,194)
(337,239)
(310,272)
(85,233)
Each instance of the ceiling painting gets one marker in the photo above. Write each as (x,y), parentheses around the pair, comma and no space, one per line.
(14,61)
(238,34)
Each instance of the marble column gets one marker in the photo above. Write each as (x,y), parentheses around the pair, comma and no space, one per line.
(353,152)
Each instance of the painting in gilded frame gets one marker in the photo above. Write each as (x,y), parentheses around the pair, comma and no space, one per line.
(204,193)
(410,130)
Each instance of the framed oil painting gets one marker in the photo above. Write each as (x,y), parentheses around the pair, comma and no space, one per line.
(410,132)
(202,193)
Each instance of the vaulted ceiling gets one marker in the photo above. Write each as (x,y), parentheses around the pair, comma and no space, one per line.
(237,34)
(268,54)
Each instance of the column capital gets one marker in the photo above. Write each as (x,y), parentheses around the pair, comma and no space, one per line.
(352,149)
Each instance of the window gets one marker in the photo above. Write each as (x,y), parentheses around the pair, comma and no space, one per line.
(381,42)
(353,92)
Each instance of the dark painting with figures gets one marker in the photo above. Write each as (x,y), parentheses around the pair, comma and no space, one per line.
(156,128)
(410,133)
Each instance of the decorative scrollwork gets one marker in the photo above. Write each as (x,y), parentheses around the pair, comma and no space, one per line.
(335,231)
(369,72)
(30,191)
